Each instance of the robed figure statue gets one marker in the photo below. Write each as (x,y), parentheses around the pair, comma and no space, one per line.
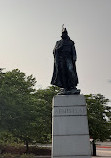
(65,75)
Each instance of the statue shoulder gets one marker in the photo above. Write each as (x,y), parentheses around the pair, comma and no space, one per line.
(72,42)
(58,41)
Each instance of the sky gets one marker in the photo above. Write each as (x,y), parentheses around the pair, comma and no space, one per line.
(29,30)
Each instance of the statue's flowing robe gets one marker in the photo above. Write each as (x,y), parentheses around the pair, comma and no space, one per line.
(64,74)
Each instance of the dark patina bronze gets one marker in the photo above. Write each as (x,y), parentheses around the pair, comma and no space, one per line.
(65,75)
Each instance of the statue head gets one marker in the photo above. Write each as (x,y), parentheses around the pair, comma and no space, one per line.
(64,33)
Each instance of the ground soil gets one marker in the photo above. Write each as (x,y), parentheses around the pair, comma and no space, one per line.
(21,149)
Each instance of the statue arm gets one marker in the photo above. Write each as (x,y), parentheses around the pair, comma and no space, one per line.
(74,53)
(58,47)
(54,50)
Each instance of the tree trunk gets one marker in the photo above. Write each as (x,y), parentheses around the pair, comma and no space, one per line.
(94,148)
(27,146)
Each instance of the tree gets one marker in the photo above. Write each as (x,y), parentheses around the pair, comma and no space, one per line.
(25,112)
(45,112)
(99,115)
(16,104)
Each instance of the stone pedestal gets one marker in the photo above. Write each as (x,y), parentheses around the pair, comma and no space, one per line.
(70,135)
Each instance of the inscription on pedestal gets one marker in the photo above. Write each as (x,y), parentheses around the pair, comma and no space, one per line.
(70,127)
(60,111)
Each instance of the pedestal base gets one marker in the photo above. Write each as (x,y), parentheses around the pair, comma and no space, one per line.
(70,137)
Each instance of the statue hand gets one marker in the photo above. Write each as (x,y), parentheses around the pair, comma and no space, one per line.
(60,48)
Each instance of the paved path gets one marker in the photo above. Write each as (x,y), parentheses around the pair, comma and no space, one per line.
(101,153)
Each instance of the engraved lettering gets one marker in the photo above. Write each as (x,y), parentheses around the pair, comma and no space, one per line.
(70,111)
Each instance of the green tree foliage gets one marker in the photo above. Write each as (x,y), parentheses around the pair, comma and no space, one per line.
(26,113)
(16,104)
(44,96)
(99,115)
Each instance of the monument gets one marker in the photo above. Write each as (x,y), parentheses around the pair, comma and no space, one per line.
(65,75)
(70,134)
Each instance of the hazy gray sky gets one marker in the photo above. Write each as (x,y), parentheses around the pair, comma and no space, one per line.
(29,30)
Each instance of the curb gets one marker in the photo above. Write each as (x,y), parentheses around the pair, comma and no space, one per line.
(107,147)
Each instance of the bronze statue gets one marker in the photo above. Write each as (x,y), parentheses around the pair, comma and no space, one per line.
(65,75)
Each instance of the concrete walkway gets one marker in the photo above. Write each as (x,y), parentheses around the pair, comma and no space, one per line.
(101,153)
